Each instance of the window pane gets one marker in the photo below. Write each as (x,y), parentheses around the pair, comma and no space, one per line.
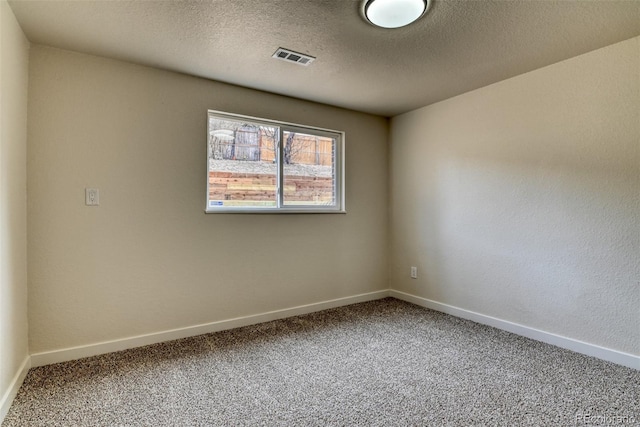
(242,164)
(309,170)
(261,165)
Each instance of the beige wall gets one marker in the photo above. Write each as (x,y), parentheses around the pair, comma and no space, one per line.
(148,259)
(521,200)
(14,51)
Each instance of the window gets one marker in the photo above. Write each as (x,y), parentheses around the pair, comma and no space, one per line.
(259,165)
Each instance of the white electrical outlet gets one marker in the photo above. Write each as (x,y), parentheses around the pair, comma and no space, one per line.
(91,197)
(414,272)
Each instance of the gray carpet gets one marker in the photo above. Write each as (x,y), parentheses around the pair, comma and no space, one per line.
(381,363)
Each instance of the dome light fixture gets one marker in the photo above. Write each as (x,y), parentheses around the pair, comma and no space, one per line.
(393,13)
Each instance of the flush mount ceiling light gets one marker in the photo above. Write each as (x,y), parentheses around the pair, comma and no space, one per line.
(393,13)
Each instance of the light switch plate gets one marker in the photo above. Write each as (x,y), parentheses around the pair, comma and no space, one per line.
(91,197)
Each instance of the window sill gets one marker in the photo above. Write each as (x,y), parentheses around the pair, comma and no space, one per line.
(273,211)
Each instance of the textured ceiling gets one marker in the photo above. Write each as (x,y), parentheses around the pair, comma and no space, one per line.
(458,46)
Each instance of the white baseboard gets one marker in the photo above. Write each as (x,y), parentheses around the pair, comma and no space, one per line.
(593,350)
(16,382)
(63,355)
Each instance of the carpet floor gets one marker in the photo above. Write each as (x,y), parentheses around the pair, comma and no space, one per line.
(380,363)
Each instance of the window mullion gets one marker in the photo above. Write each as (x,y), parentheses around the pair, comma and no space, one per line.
(280,174)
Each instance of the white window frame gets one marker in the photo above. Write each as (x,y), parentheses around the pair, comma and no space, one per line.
(339,182)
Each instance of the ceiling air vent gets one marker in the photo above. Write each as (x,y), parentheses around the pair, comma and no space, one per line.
(291,56)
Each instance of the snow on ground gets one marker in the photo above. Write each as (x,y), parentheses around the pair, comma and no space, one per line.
(253,167)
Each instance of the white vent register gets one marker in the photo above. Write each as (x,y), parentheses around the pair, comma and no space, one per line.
(291,56)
